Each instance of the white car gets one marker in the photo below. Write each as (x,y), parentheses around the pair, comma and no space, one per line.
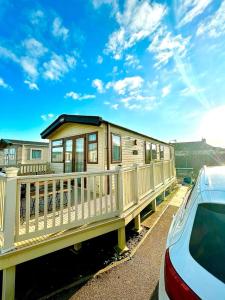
(194,263)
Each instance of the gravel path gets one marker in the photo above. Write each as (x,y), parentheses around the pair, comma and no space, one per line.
(136,278)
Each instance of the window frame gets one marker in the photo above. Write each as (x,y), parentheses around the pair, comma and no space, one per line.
(87,146)
(116,161)
(155,151)
(161,151)
(62,146)
(146,152)
(35,149)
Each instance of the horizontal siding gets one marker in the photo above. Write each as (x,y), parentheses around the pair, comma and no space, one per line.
(26,154)
(128,138)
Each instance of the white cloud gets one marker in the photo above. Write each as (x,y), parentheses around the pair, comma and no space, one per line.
(99,59)
(128,85)
(36,17)
(166,90)
(29,66)
(47,116)
(140,102)
(190,9)
(31,85)
(115,106)
(132,61)
(34,47)
(191,90)
(4,85)
(76,96)
(215,25)
(98,84)
(58,66)
(165,46)
(138,21)
(58,30)
(8,54)
(98,3)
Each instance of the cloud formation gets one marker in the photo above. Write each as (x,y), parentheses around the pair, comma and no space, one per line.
(4,85)
(190,9)
(138,21)
(166,46)
(76,96)
(98,84)
(58,30)
(31,85)
(213,26)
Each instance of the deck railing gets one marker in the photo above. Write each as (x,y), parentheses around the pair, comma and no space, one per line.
(34,206)
(29,169)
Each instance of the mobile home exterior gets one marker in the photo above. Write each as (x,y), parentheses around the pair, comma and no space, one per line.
(89,143)
(16,152)
(105,176)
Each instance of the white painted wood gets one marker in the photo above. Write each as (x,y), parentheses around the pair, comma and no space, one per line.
(120,192)
(69,199)
(9,220)
(68,205)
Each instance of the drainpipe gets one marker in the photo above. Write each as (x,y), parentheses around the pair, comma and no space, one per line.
(108,153)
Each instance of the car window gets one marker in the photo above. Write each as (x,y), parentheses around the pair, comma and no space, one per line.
(207,242)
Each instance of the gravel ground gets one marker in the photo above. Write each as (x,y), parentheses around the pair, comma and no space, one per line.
(136,278)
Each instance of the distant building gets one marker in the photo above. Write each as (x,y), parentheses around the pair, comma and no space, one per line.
(197,154)
(15,152)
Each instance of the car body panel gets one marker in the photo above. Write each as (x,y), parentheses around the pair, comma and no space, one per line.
(207,190)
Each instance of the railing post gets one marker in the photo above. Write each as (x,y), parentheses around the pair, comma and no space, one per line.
(163,173)
(9,209)
(153,176)
(136,191)
(120,192)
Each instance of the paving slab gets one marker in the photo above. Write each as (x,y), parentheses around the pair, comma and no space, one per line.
(138,277)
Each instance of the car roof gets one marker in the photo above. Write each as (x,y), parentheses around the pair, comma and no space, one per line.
(212,180)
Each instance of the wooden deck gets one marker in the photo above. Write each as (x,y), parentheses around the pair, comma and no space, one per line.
(44,213)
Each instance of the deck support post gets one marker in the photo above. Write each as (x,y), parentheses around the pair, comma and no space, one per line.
(164,195)
(9,221)
(137,223)
(122,246)
(77,247)
(136,193)
(8,283)
(154,206)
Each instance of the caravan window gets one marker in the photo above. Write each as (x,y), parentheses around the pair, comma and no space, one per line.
(116,148)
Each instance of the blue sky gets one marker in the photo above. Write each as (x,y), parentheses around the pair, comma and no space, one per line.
(154,66)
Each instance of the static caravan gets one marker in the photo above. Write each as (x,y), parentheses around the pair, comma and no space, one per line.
(89,143)
(15,152)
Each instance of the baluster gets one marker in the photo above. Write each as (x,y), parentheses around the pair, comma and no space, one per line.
(100,194)
(36,205)
(75,199)
(18,210)
(61,201)
(111,192)
(94,195)
(69,199)
(82,196)
(45,204)
(105,194)
(27,206)
(88,197)
(53,202)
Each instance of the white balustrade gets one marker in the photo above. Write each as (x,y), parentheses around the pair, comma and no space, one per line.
(47,204)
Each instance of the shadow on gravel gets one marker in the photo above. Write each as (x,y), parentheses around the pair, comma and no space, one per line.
(155,293)
(65,271)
